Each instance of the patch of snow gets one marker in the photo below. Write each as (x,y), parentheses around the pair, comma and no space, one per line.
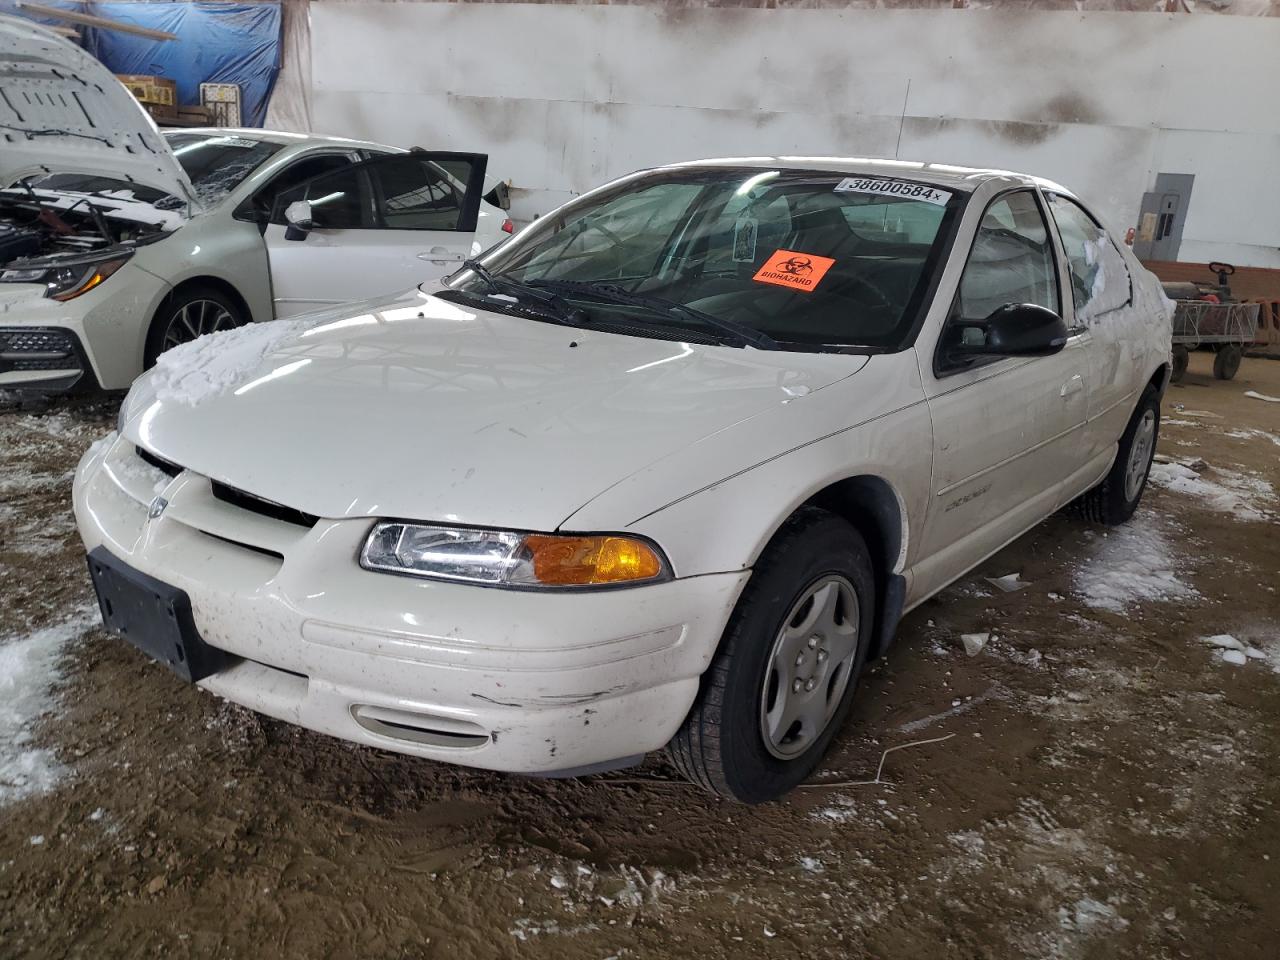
(210,365)
(1234,493)
(811,864)
(1009,583)
(1173,422)
(1131,564)
(1252,434)
(974,642)
(37,840)
(1235,657)
(1224,641)
(1261,396)
(28,670)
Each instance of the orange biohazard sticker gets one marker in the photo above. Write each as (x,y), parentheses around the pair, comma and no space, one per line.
(795,271)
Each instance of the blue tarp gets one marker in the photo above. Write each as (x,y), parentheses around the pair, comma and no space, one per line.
(217,43)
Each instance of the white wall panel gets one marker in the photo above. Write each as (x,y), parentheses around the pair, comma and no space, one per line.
(564,96)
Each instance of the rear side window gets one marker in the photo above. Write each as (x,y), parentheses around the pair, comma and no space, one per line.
(1100,280)
(419,194)
(1011,260)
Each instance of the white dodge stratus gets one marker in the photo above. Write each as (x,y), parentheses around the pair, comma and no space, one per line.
(664,470)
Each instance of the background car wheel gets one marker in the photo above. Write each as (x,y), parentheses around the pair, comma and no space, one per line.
(1227,361)
(783,680)
(188,315)
(1113,500)
(1181,357)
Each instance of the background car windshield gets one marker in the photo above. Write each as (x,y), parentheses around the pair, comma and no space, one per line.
(217,165)
(782,251)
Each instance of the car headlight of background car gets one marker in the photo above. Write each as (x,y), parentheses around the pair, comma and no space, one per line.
(68,278)
(511,559)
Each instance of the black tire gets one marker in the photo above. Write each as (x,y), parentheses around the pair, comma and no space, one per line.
(1112,502)
(219,312)
(1181,357)
(722,745)
(1227,361)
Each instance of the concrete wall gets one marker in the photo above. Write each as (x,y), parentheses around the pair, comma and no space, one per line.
(564,96)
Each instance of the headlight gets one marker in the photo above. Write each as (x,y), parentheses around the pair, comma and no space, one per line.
(508,559)
(67,279)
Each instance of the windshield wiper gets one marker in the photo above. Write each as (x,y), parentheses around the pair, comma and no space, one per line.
(740,333)
(560,310)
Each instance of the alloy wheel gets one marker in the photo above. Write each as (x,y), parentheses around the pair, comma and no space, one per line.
(196,318)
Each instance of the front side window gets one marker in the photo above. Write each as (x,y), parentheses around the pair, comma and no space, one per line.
(811,259)
(1011,260)
(1100,280)
(339,201)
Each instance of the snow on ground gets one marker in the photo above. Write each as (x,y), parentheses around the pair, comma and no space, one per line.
(209,365)
(1225,491)
(28,671)
(1252,434)
(1131,564)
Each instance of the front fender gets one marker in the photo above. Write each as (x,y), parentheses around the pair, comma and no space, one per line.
(710,521)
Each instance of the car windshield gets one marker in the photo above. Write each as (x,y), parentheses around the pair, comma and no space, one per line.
(215,165)
(806,258)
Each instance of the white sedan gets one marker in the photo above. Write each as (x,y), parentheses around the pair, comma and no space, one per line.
(662,471)
(117,243)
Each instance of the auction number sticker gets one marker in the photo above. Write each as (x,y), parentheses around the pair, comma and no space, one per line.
(795,271)
(894,188)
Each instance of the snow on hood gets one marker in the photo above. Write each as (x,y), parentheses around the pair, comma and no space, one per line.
(62,111)
(416,407)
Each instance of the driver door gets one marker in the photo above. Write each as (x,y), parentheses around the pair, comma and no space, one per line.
(376,227)
(1009,430)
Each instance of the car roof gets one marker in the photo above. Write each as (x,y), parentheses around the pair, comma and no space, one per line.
(284,138)
(946,175)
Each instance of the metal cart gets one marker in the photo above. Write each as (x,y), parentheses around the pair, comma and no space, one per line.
(1226,326)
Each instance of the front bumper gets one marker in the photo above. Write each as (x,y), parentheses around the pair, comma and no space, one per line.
(93,342)
(43,360)
(520,681)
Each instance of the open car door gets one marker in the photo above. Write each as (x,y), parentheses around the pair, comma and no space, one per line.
(372,228)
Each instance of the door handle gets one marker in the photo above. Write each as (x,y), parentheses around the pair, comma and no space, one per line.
(441,255)
(1074,385)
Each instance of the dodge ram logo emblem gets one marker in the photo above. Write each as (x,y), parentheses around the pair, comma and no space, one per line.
(157,507)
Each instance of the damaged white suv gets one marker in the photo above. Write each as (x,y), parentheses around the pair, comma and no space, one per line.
(117,243)
(663,470)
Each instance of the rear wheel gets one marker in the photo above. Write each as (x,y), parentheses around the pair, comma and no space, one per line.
(1114,500)
(783,679)
(188,315)
(1227,361)
(1181,357)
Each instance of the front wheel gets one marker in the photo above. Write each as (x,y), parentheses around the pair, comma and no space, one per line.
(783,680)
(188,315)
(1114,500)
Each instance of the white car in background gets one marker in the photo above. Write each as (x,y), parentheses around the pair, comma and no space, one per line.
(117,243)
(663,470)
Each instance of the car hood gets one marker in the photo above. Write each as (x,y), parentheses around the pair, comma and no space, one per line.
(82,118)
(417,408)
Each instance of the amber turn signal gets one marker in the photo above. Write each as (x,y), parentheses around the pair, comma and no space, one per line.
(582,561)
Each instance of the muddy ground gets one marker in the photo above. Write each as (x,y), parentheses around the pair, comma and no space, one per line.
(1110,787)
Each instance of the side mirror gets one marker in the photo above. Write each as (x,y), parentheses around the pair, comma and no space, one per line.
(298,214)
(1014,330)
